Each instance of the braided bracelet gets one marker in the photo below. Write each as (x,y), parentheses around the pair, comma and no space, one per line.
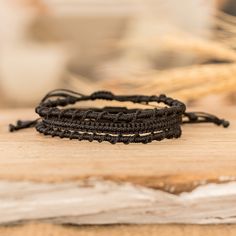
(113,124)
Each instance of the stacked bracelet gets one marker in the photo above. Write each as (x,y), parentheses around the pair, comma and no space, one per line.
(113,124)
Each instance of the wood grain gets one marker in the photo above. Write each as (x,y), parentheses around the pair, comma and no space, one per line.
(124,230)
(97,202)
(205,153)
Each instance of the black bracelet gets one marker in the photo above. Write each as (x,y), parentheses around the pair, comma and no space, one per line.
(113,124)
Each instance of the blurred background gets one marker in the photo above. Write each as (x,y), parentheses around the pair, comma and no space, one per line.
(184,48)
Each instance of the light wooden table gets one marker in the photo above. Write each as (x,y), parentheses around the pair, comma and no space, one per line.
(204,154)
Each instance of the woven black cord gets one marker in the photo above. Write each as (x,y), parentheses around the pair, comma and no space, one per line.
(112,124)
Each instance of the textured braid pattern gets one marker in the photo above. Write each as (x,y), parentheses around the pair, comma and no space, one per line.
(112,124)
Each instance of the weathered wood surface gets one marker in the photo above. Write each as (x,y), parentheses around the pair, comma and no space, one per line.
(104,202)
(124,230)
(50,179)
(205,153)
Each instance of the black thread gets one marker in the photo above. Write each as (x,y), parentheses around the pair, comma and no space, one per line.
(113,124)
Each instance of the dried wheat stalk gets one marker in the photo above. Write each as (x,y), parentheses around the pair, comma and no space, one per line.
(203,49)
(189,82)
(225,29)
(184,83)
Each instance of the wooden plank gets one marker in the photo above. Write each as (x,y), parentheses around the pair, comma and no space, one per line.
(124,230)
(44,178)
(204,153)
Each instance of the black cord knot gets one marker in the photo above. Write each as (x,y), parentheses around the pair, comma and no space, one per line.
(102,95)
(191,116)
(224,123)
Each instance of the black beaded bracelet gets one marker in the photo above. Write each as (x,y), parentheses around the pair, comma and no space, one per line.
(113,124)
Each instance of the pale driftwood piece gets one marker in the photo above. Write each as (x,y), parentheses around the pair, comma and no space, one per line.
(104,202)
(128,181)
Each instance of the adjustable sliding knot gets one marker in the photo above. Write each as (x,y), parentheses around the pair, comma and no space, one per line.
(113,124)
(191,116)
(102,95)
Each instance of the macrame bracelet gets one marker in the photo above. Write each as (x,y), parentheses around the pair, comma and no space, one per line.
(113,124)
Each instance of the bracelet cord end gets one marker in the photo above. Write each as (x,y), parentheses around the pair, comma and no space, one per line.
(202,117)
(22,125)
